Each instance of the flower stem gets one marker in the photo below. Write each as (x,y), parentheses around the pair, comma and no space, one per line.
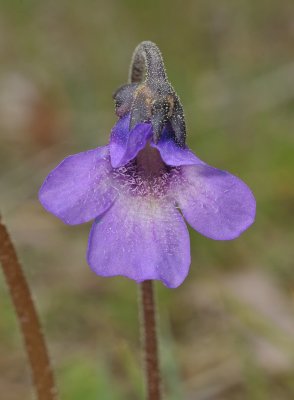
(28,319)
(150,341)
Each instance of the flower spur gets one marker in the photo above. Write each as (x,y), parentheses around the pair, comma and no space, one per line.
(135,186)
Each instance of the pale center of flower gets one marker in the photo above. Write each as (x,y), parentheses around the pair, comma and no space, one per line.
(145,176)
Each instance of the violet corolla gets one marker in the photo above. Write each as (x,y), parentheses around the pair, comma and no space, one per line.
(141,187)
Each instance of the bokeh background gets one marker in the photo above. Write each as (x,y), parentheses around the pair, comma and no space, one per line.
(228,331)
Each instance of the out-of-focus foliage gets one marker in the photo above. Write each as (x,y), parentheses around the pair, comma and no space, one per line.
(228,331)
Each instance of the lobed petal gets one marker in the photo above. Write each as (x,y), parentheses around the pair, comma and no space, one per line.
(141,239)
(173,154)
(79,188)
(124,143)
(215,203)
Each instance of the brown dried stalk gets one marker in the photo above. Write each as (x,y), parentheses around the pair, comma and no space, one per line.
(150,341)
(28,319)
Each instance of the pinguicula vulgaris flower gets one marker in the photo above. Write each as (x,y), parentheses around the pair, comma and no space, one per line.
(141,187)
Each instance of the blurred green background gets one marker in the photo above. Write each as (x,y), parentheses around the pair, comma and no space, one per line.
(228,331)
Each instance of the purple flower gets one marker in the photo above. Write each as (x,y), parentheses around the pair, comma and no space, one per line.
(139,192)
(142,185)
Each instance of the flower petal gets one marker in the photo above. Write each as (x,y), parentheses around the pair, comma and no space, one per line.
(141,239)
(125,144)
(173,154)
(79,189)
(214,202)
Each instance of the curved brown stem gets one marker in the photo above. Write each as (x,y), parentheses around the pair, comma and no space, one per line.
(28,319)
(150,341)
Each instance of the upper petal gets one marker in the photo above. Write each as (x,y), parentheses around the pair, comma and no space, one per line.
(141,239)
(173,154)
(215,203)
(79,188)
(124,143)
